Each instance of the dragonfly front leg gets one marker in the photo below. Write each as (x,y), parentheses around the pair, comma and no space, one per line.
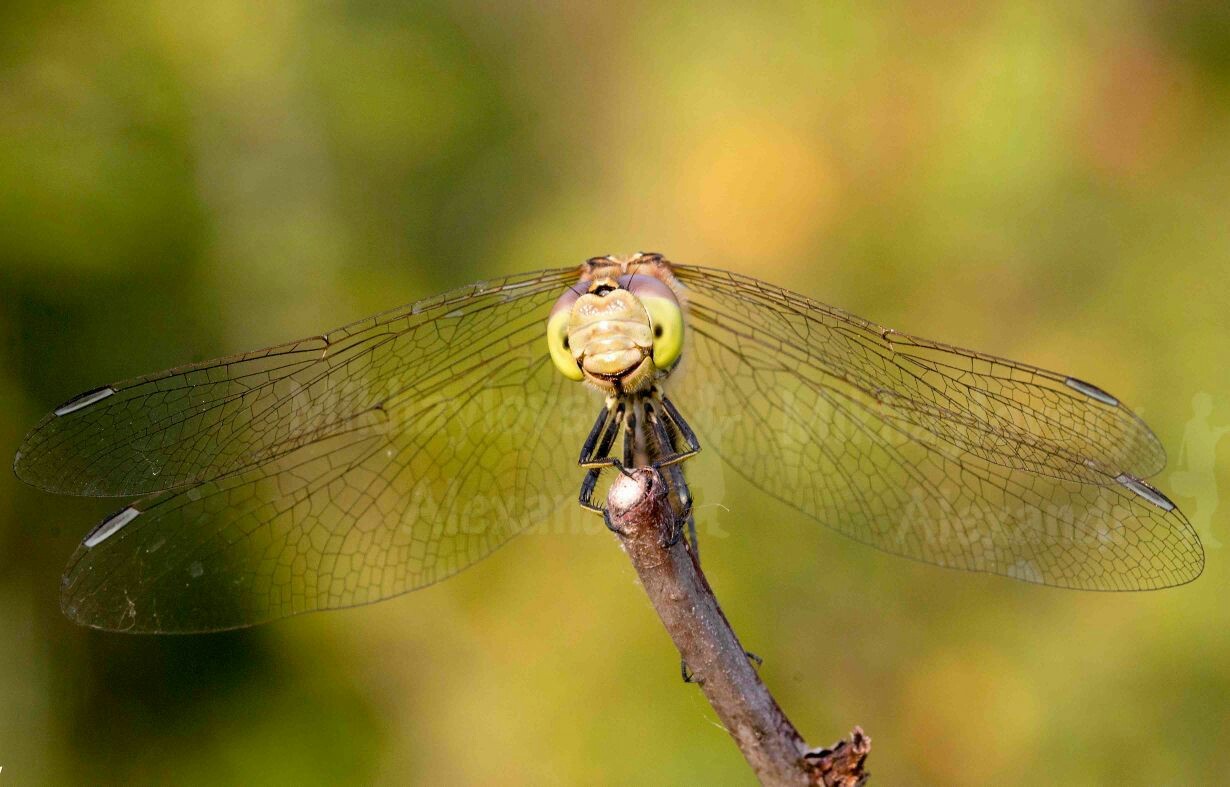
(602,436)
(596,453)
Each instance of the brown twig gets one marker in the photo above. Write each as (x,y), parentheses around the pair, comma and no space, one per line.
(681,595)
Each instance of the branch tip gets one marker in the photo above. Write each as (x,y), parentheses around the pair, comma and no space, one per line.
(844,765)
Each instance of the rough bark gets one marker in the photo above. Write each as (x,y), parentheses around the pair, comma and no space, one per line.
(683,599)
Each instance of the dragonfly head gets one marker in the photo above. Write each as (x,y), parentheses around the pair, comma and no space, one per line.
(619,333)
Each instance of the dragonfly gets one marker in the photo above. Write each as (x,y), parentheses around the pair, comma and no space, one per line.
(392,453)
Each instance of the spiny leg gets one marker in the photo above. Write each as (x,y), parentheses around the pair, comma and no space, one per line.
(682,507)
(596,454)
(693,447)
(596,451)
(630,446)
(605,415)
(679,443)
(685,431)
(668,415)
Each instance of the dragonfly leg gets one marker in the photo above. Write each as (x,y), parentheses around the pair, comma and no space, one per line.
(586,496)
(596,454)
(677,528)
(670,414)
(595,434)
(693,448)
(675,477)
(685,519)
(606,518)
(692,534)
(630,440)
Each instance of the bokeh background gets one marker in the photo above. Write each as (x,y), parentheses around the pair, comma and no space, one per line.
(1040,180)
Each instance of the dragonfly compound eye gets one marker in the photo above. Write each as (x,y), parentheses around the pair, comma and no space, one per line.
(665,315)
(557,336)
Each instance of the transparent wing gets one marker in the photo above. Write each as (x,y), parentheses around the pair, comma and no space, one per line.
(466,452)
(924,450)
(201,422)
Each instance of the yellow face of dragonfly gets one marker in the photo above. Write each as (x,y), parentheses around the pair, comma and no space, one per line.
(618,331)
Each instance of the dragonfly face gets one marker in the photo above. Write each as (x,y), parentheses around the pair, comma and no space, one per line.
(621,328)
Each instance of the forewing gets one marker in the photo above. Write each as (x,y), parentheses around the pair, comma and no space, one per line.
(933,452)
(396,498)
(203,422)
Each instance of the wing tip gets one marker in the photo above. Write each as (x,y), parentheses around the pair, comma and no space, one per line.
(23,464)
(32,458)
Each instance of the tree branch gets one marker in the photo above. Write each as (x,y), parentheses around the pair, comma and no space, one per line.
(640,513)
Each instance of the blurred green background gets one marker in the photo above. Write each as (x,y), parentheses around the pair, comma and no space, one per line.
(1046,182)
